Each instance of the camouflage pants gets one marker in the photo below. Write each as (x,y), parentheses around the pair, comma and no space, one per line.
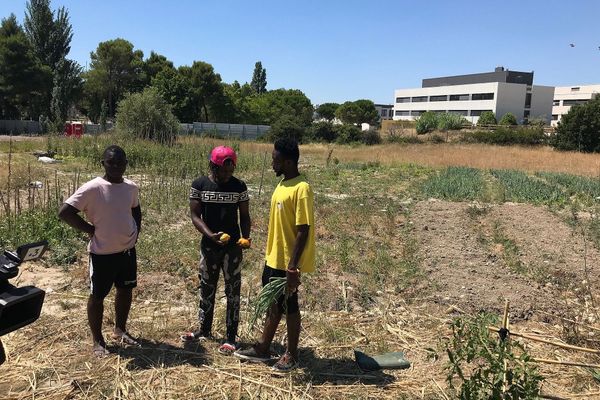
(212,261)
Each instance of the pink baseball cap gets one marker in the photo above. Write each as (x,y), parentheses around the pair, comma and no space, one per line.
(221,153)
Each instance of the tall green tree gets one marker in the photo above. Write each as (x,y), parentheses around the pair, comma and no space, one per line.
(23,78)
(289,104)
(174,87)
(327,110)
(206,90)
(259,79)
(579,129)
(49,34)
(155,64)
(357,112)
(115,69)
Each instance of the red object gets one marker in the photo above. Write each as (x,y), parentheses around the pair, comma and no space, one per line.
(219,154)
(73,129)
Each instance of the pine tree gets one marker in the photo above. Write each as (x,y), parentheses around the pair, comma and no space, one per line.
(259,79)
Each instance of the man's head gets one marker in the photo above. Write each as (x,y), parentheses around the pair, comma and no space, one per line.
(114,161)
(285,156)
(222,163)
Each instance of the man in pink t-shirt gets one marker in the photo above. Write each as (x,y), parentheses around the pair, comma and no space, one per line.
(114,219)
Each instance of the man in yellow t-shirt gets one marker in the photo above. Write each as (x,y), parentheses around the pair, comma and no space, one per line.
(290,252)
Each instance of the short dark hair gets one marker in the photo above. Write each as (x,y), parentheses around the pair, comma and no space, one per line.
(114,149)
(288,148)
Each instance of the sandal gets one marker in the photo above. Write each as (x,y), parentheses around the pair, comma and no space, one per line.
(286,363)
(126,339)
(227,349)
(100,350)
(192,337)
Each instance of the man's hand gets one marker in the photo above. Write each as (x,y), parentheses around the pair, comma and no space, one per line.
(216,237)
(293,279)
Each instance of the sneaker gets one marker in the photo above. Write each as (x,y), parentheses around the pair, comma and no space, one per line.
(251,355)
(285,364)
(227,349)
(191,337)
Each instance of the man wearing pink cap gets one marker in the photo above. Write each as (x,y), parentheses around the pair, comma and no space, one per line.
(219,205)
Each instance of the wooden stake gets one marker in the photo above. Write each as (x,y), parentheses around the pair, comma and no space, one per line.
(553,343)
(505,327)
(569,363)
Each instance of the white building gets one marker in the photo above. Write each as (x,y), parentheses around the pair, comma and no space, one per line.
(567,96)
(501,92)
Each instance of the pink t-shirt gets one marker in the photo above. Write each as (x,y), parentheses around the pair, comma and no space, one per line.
(108,206)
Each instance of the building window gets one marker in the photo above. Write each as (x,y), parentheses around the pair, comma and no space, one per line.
(459,112)
(575,89)
(482,96)
(526,114)
(384,113)
(556,103)
(402,99)
(528,100)
(554,117)
(477,113)
(402,113)
(419,99)
(415,113)
(459,97)
(574,102)
(438,98)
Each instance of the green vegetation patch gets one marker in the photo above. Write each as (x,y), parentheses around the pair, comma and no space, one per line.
(455,183)
(520,187)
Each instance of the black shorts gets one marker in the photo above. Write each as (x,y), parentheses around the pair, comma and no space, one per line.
(119,269)
(292,301)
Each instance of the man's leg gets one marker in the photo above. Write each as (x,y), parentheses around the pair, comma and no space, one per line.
(270,328)
(125,281)
(293,331)
(210,261)
(123,300)
(95,310)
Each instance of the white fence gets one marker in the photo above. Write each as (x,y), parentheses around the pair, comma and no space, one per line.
(17,127)
(241,131)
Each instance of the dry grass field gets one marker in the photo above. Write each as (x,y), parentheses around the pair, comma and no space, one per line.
(410,238)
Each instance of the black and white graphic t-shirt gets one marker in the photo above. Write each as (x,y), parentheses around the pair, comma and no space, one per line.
(219,205)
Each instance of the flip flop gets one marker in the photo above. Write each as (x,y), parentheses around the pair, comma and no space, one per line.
(125,338)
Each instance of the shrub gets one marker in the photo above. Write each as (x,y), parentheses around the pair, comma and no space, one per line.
(371,137)
(508,119)
(348,134)
(451,122)
(146,115)
(427,122)
(579,129)
(486,118)
(508,136)
(322,132)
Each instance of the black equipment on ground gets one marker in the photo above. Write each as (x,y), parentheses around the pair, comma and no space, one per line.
(19,306)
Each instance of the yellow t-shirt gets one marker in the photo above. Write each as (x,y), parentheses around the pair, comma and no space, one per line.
(291,205)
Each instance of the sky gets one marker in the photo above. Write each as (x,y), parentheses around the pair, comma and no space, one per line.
(340,50)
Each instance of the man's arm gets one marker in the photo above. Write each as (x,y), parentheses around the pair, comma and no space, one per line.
(71,216)
(195,211)
(136,212)
(245,222)
(299,244)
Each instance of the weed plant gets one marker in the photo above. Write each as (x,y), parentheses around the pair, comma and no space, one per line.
(484,367)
